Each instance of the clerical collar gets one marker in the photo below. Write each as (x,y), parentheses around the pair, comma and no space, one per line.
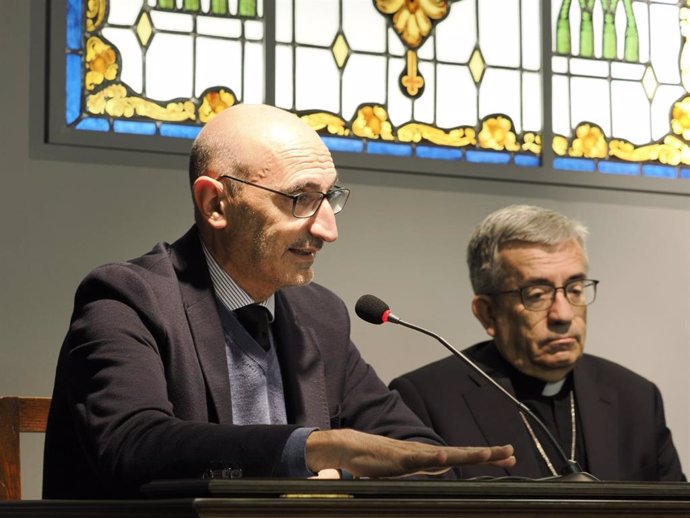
(228,291)
(529,387)
(551,388)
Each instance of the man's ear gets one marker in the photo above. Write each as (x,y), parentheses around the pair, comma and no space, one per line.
(483,309)
(209,200)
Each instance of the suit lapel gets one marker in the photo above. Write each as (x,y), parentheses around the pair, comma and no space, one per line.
(500,423)
(597,405)
(304,381)
(202,314)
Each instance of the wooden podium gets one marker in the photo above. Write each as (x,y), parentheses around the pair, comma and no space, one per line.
(374,498)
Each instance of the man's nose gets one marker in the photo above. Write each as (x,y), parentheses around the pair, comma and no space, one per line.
(323,225)
(561,310)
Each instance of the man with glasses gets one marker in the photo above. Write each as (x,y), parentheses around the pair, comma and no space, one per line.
(215,355)
(529,272)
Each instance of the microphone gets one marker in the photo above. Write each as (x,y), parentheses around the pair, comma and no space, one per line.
(375,311)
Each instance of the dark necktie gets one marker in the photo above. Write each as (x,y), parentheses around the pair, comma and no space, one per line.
(254,319)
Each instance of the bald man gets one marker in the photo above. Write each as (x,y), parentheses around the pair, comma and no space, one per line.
(218,352)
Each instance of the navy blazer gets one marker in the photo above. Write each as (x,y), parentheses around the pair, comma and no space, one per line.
(142,389)
(621,413)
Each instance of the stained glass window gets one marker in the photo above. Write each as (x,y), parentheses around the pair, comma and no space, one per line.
(160,66)
(620,79)
(438,86)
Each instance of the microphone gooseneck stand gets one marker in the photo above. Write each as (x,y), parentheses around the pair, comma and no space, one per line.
(375,311)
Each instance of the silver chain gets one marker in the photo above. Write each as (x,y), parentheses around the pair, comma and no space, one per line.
(540,448)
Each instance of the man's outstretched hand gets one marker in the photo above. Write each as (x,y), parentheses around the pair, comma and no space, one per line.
(367,455)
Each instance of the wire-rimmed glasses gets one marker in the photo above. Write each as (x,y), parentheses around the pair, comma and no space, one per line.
(306,204)
(538,297)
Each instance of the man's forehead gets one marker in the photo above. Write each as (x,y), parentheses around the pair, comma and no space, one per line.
(314,172)
(524,259)
(296,167)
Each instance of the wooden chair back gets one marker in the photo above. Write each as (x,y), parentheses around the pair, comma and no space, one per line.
(17,415)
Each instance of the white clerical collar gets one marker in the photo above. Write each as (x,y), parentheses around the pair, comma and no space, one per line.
(551,388)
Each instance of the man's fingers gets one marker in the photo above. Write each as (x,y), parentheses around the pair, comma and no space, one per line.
(469,455)
(366,455)
(480,455)
(501,452)
(438,460)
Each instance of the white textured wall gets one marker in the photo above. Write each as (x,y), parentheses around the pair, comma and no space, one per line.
(402,238)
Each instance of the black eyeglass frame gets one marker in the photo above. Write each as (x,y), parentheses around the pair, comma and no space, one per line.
(296,197)
(522,290)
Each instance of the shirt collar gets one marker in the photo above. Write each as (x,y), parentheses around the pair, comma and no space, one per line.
(552,388)
(228,291)
(527,387)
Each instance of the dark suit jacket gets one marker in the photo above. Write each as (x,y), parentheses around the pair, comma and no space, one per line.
(621,413)
(142,389)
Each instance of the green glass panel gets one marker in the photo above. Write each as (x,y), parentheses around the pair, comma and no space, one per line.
(219,6)
(247,8)
(632,36)
(586,29)
(563,29)
(609,36)
(192,5)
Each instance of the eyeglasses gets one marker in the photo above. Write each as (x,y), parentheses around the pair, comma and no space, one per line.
(306,204)
(538,297)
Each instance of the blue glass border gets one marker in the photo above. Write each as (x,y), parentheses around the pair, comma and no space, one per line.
(488,157)
(389,148)
(622,168)
(575,164)
(438,153)
(72,87)
(134,127)
(94,124)
(347,145)
(527,161)
(660,171)
(187,131)
(74,24)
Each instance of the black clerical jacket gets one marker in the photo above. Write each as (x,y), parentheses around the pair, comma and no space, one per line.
(621,413)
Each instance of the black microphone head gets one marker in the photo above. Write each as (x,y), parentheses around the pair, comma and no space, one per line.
(372,309)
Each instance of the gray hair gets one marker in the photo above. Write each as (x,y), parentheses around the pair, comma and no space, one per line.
(214,152)
(522,223)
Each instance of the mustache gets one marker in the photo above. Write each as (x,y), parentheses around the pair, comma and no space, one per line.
(308,242)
